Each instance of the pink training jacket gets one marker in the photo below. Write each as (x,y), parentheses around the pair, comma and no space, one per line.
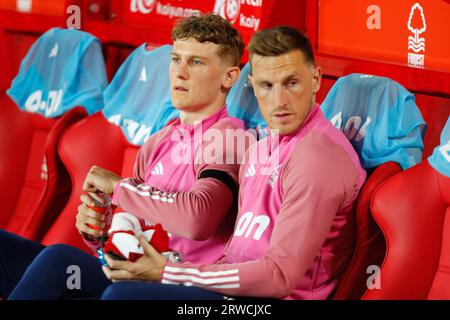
(295,230)
(166,187)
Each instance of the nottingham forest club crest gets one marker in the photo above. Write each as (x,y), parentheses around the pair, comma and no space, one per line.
(416,43)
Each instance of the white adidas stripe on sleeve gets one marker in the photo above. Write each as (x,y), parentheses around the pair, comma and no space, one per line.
(227,279)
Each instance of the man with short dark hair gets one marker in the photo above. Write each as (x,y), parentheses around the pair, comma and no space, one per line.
(294,233)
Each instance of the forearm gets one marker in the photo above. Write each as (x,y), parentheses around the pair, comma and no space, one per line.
(195,214)
(257,278)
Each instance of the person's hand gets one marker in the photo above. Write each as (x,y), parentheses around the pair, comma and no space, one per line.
(88,216)
(149,267)
(99,179)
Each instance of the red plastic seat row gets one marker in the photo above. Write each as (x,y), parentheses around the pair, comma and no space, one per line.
(34,183)
(63,231)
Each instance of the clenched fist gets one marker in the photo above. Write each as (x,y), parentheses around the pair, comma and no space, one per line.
(100,180)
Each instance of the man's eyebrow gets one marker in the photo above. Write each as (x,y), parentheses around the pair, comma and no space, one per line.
(198,57)
(263,81)
(283,80)
(191,56)
(290,77)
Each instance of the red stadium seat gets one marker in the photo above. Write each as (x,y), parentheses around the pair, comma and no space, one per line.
(370,247)
(13,122)
(413,212)
(92,141)
(33,181)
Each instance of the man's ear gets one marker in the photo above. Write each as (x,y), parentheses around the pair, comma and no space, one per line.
(317,79)
(250,80)
(231,77)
